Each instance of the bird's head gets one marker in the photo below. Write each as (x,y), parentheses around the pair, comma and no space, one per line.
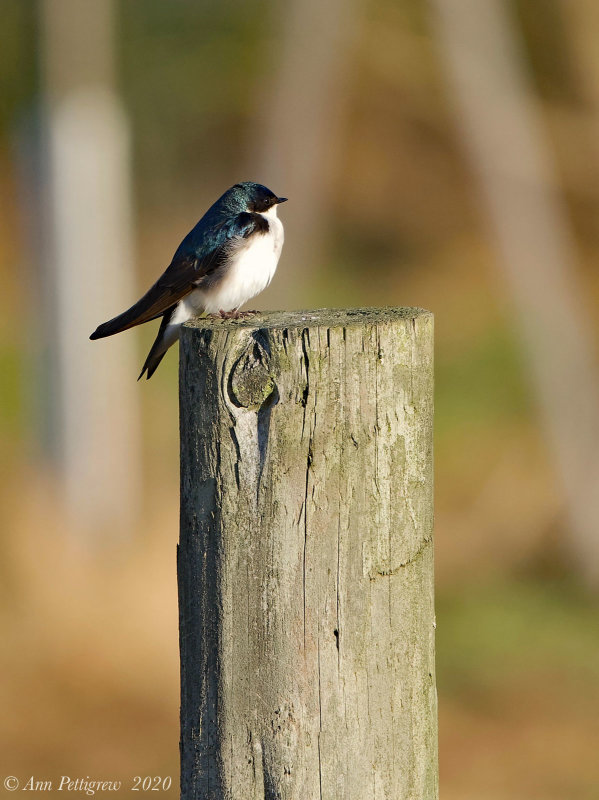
(249,196)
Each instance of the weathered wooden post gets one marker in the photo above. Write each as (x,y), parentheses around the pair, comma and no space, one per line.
(306,557)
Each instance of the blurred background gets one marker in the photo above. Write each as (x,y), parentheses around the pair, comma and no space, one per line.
(436,153)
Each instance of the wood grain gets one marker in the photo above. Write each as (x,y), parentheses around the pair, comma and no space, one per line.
(306,557)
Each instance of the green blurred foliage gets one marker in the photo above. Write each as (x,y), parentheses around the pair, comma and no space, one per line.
(482,386)
(499,631)
(18,61)
(187,72)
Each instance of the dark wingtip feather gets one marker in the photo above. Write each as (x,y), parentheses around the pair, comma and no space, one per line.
(107,329)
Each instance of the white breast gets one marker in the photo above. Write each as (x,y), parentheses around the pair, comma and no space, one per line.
(251,268)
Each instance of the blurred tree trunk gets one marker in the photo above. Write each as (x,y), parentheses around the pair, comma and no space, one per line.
(507,148)
(88,267)
(296,136)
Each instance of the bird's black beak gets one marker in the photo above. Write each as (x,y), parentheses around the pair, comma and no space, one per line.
(281,200)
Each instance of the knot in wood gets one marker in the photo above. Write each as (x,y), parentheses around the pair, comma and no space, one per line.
(252,381)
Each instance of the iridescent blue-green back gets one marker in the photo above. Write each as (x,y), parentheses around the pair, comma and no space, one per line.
(218,223)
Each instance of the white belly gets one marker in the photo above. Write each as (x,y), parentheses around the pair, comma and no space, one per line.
(250,270)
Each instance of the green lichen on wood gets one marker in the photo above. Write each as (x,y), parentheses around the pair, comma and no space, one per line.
(252,379)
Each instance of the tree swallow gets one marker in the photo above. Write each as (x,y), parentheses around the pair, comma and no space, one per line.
(229,257)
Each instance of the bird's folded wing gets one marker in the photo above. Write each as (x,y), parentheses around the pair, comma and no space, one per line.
(199,254)
(174,284)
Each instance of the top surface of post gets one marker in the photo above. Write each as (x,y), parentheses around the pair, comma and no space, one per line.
(322,317)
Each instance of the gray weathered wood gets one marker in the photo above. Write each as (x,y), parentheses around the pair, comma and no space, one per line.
(306,557)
